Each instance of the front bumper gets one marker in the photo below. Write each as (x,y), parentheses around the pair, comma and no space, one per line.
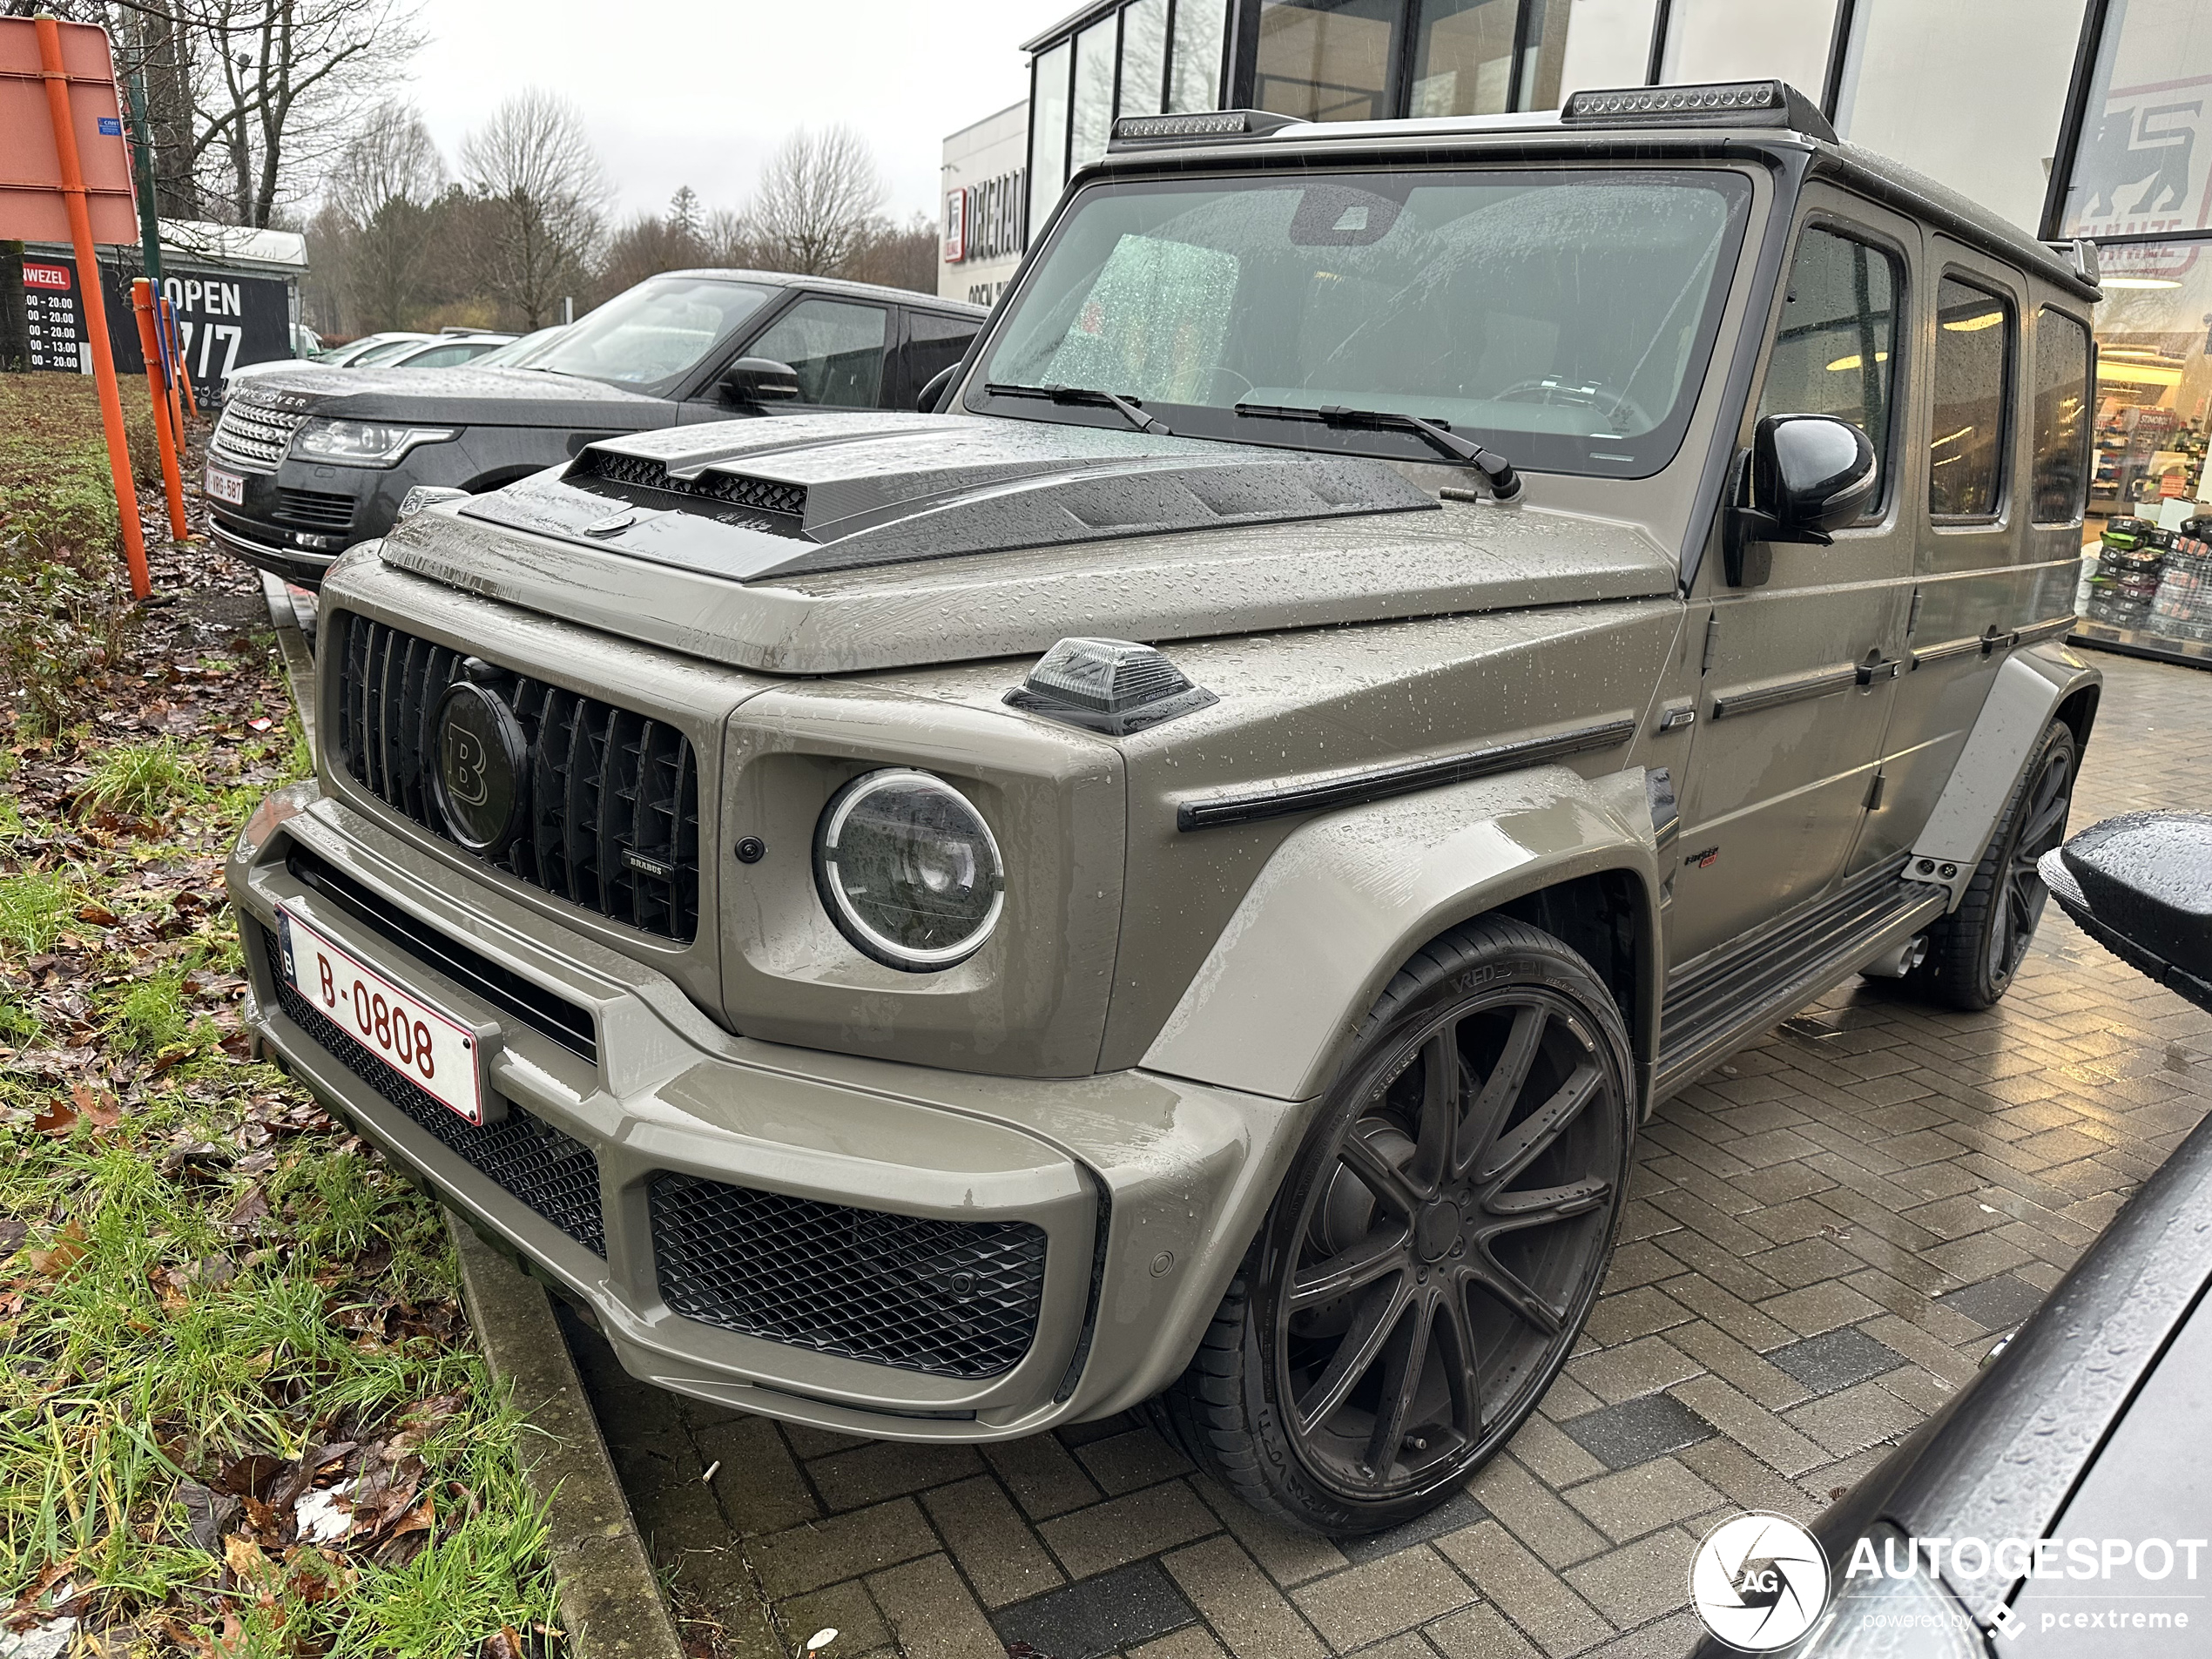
(1146,1189)
(295,521)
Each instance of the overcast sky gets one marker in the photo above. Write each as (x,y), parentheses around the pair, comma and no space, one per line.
(697,92)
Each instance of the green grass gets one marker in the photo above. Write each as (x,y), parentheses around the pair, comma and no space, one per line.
(35,906)
(143,780)
(152,1014)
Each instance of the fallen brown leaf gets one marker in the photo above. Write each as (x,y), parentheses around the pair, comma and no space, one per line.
(67,1248)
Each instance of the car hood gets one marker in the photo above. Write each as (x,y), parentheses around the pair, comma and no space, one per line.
(464,396)
(835,543)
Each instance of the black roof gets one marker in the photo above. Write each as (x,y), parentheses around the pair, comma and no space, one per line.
(838,285)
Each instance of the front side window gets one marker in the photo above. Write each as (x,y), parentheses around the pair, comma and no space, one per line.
(1835,351)
(654,334)
(1561,318)
(836,347)
(2061,417)
(1973,353)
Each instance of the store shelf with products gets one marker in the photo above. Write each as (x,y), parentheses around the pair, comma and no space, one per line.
(2150,593)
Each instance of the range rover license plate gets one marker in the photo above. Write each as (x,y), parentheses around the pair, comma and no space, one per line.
(434,1051)
(226,486)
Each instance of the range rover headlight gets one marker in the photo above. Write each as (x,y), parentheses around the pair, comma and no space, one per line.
(363,443)
(908,870)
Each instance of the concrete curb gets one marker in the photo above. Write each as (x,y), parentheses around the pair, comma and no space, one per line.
(299,655)
(609,1600)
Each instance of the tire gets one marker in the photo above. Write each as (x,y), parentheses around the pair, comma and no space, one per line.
(1422,1274)
(1975,951)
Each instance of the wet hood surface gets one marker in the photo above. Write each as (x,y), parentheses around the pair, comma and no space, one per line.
(464,396)
(828,544)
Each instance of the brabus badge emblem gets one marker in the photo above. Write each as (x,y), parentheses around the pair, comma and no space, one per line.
(611,526)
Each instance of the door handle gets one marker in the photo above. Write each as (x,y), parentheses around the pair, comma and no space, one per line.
(1879,667)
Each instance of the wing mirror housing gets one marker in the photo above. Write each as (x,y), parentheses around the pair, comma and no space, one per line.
(932,395)
(1804,477)
(760,380)
(2141,886)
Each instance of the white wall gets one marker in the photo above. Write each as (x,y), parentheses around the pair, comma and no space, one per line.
(998,144)
(1969,92)
(1742,40)
(1608,44)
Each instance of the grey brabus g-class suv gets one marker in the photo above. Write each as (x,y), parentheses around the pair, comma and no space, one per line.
(306,461)
(1177,878)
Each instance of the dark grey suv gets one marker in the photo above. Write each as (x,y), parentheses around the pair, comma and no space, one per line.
(305,463)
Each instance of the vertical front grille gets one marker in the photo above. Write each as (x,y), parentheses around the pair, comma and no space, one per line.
(612,819)
(554,1174)
(953,1298)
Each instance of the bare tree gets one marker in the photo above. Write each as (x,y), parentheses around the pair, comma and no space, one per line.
(817,199)
(380,214)
(897,256)
(541,181)
(248,101)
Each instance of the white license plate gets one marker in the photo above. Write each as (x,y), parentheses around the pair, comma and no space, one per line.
(226,486)
(434,1051)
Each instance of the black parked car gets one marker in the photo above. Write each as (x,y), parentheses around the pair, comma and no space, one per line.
(306,461)
(2061,1503)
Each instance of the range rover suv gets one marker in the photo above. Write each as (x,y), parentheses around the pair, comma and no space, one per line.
(307,461)
(1177,878)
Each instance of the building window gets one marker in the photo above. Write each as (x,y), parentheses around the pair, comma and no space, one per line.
(1973,353)
(1835,351)
(1048,129)
(1093,124)
(1327,60)
(1729,40)
(1194,68)
(2061,416)
(2144,151)
(1464,61)
(1145,57)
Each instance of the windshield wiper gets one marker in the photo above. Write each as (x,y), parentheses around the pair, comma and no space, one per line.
(1130,411)
(1497,471)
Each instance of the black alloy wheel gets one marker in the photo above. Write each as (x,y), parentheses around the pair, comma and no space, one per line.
(1428,1265)
(1974,952)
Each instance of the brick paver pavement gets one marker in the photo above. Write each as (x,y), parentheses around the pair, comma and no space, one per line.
(1824,1238)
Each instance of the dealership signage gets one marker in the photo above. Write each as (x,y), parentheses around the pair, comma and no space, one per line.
(988,221)
(226,319)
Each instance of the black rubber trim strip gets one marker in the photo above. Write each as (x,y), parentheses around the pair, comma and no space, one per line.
(1949,648)
(2036,632)
(1748,699)
(1385,781)
(554,1016)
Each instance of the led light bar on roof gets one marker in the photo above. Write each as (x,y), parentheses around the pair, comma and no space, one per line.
(1721,103)
(1213,123)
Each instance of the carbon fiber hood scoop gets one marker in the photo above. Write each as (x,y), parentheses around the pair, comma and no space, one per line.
(749,500)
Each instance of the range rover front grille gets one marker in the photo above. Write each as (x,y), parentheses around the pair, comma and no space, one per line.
(253,435)
(554,1174)
(762,495)
(948,1297)
(611,810)
(315,510)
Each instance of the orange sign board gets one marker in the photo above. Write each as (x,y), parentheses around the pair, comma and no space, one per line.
(31,208)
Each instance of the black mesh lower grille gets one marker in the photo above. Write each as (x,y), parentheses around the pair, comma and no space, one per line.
(553,1173)
(952,1299)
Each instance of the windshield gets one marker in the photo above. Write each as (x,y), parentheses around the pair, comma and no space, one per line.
(520,353)
(1561,318)
(652,335)
(384,352)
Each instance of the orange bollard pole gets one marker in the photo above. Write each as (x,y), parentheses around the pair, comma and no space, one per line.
(165,435)
(95,303)
(186,398)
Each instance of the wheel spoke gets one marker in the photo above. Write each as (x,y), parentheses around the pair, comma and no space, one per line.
(1493,1103)
(1520,1146)
(1508,1289)
(2049,818)
(1465,1373)
(1371,1327)
(1380,1176)
(1349,1269)
(1514,1212)
(1403,1365)
(1441,1080)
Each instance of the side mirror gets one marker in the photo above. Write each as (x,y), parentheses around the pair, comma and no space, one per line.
(1804,476)
(931,397)
(760,380)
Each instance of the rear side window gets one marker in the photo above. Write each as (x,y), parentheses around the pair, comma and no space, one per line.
(935,343)
(1835,351)
(2061,417)
(1973,355)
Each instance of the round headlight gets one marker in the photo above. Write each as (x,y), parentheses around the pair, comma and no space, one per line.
(908,869)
